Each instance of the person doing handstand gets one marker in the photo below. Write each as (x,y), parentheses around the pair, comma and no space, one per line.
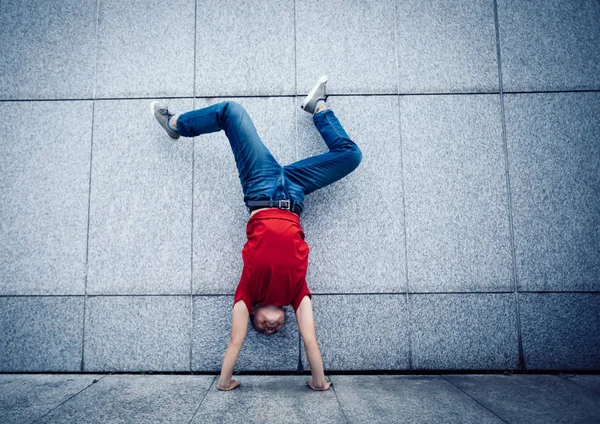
(275,255)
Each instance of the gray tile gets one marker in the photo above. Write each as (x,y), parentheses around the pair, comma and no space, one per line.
(141,203)
(447,46)
(554,158)
(260,352)
(414,399)
(560,330)
(457,224)
(48,49)
(245,48)
(549,45)
(220,216)
(137,333)
(358,332)
(145,49)
(531,398)
(25,398)
(464,331)
(135,399)
(41,333)
(354,227)
(276,399)
(351,42)
(589,381)
(44,186)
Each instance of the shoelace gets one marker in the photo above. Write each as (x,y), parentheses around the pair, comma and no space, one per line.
(165,111)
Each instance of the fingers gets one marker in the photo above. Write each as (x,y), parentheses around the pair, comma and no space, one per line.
(312,386)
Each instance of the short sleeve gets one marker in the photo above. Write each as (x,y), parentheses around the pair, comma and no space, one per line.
(241,293)
(304,291)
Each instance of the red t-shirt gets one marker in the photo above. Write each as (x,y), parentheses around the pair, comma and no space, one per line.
(275,261)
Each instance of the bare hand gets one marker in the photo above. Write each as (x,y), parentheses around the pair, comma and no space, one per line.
(232,385)
(312,385)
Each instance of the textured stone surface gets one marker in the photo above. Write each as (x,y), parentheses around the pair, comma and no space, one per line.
(457,225)
(446,46)
(554,156)
(137,333)
(135,399)
(220,215)
(245,48)
(358,332)
(531,398)
(351,42)
(141,203)
(560,330)
(464,331)
(274,399)
(212,330)
(145,48)
(354,227)
(48,49)
(386,399)
(41,333)
(25,398)
(549,45)
(44,186)
(589,381)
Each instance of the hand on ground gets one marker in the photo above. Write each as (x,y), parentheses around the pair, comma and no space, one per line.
(232,385)
(318,389)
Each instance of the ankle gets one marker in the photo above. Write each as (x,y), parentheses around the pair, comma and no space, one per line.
(320,107)
(173,122)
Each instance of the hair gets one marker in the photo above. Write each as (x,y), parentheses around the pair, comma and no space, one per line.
(252,322)
(252,315)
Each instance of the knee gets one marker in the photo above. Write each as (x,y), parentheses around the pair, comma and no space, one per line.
(231,107)
(354,156)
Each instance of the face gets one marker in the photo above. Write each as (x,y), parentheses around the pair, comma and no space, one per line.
(269,319)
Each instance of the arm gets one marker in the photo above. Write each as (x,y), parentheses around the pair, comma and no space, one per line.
(306,325)
(239,327)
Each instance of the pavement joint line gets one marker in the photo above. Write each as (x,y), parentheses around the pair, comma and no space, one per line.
(515,276)
(408,314)
(564,377)
(296,127)
(66,400)
(87,241)
(202,401)
(521,292)
(338,400)
(191,350)
(420,371)
(477,401)
(295,95)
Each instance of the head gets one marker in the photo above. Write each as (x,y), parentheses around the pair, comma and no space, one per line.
(267,319)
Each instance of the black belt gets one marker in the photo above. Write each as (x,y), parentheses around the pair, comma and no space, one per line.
(281,204)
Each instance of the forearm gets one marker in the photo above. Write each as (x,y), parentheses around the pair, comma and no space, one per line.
(231,357)
(316,362)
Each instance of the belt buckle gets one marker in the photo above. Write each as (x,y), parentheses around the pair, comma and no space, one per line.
(284,202)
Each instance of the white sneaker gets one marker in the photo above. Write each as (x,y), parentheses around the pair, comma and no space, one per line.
(162,115)
(317,93)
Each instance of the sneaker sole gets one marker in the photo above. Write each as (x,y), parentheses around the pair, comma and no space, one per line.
(152,108)
(308,98)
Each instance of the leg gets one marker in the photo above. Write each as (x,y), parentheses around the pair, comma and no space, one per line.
(318,171)
(256,165)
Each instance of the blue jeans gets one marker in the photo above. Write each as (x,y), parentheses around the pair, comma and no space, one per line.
(262,177)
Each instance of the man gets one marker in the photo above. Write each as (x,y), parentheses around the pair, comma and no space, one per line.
(275,255)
